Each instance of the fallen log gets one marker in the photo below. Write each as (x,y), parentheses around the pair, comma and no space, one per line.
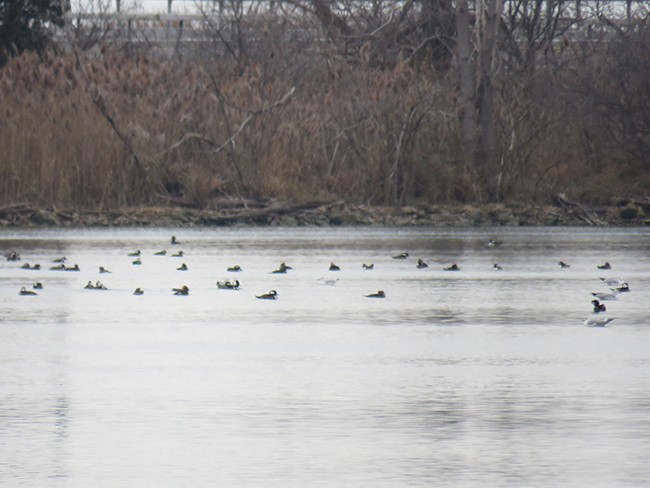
(264,213)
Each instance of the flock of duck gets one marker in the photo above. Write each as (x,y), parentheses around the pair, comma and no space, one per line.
(59,264)
(616,286)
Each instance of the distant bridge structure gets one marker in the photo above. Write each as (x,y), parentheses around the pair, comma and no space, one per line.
(625,9)
(173,25)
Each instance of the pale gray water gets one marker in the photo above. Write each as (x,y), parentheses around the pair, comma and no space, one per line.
(475,378)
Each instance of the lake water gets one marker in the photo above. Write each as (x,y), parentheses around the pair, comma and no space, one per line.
(472,378)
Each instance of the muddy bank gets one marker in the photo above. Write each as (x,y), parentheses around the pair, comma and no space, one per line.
(563,213)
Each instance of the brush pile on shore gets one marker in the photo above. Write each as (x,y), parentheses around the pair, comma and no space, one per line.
(562,213)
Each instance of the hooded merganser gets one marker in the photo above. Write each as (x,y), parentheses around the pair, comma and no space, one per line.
(160,253)
(32,268)
(497,267)
(182,267)
(60,260)
(137,262)
(562,264)
(179,254)
(13,256)
(379,294)
(103,270)
(138,291)
(334,267)
(404,255)
(135,253)
(72,268)
(453,267)
(25,291)
(368,266)
(174,241)
(271,295)
(421,264)
(235,269)
(493,243)
(37,286)
(89,286)
(58,267)
(605,266)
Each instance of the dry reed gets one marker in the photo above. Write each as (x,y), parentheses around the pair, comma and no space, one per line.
(99,132)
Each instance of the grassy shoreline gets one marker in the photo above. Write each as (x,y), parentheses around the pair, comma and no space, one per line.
(332,214)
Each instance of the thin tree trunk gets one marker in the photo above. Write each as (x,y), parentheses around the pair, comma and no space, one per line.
(488,13)
(466,84)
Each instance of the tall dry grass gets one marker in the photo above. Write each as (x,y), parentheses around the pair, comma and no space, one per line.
(111,130)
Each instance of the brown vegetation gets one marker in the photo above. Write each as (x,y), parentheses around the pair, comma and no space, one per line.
(120,127)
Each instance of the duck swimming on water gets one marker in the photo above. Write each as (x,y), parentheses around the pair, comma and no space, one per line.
(25,291)
(379,294)
(228,285)
(282,269)
(598,307)
(621,289)
(184,290)
(13,256)
(235,269)
(604,266)
(271,295)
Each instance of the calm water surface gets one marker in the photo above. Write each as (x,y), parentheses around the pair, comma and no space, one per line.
(466,379)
